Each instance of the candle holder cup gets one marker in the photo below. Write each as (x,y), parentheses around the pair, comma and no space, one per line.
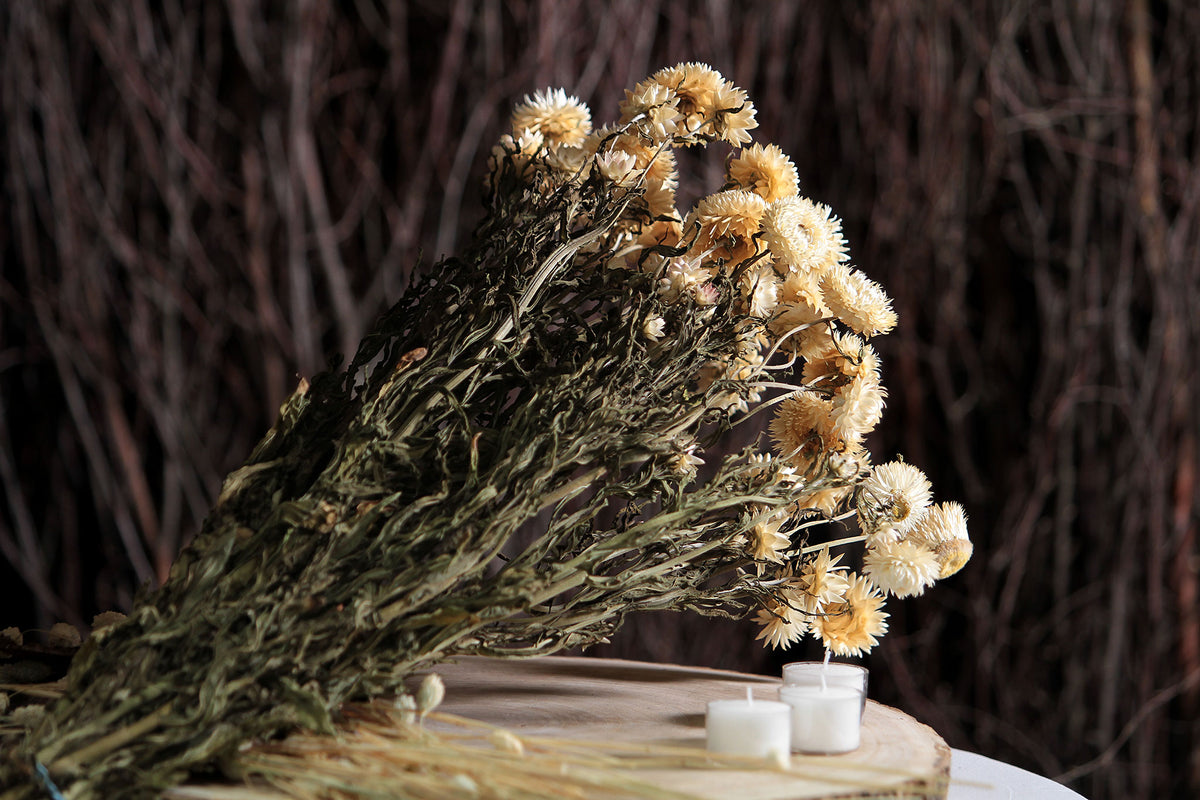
(827,703)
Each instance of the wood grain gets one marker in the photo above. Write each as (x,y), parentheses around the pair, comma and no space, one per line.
(628,701)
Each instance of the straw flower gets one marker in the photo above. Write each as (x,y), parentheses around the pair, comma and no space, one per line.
(827,501)
(943,522)
(727,222)
(562,120)
(800,420)
(659,198)
(684,462)
(654,328)
(766,541)
(766,171)
(858,301)
(568,161)
(821,583)
(901,568)
(709,106)
(853,627)
(656,162)
(804,235)
(782,626)
(802,323)
(653,108)
(522,150)
(681,277)
(943,528)
(760,291)
(897,493)
(695,85)
(617,166)
(768,465)
(838,357)
(857,407)
(733,115)
(430,693)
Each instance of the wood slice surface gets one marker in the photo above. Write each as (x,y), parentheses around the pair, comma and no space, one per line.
(610,700)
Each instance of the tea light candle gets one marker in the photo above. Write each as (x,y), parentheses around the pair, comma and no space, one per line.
(749,727)
(824,719)
(826,673)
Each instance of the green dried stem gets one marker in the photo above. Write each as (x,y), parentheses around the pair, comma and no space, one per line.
(361,540)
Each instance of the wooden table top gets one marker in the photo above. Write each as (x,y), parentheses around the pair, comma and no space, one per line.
(610,700)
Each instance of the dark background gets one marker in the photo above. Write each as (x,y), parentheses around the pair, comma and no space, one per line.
(203,201)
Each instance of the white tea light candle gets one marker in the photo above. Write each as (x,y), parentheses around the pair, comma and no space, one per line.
(826,673)
(799,673)
(749,727)
(825,719)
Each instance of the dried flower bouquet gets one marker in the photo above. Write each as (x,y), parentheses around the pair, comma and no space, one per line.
(509,463)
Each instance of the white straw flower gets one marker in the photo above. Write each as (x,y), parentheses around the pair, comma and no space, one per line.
(617,166)
(857,300)
(853,627)
(803,235)
(764,170)
(653,108)
(897,493)
(559,118)
(821,582)
(767,544)
(857,407)
(782,626)
(943,522)
(682,276)
(654,328)
(901,568)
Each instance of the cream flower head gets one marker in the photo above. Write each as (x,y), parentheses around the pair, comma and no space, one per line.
(767,544)
(853,627)
(820,584)
(727,223)
(658,163)
(857,407)
(617,166)
(766,171)
(839,357)
(654,328)
(695,87)
(827,501)
(895,496)
(525,152)
(782,626)
(801,421)
(760,291)
(681,277)
(685,461)
(901,568)
(562,120)
(709,106)
(733,115)
(769,465)
(653,108)
(803,235)
(857,300)
(943,522)
(802,323)
(943,528)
